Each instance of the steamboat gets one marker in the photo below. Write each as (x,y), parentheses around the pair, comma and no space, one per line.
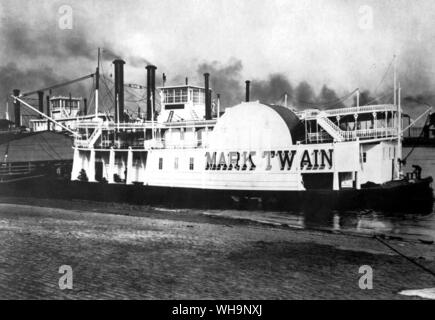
(273,156)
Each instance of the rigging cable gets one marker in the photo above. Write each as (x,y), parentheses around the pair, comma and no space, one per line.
(385,75)
(405,256)
(59,85)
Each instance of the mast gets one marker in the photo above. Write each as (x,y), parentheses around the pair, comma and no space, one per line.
(97,83)
(152,119)
(218,105)
(399,132)
(394,81)
(357,98)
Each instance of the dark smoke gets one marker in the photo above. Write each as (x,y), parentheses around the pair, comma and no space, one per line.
(272,90)
(305,96)
(328,99)
(225,79)
(365,98)
(40,55)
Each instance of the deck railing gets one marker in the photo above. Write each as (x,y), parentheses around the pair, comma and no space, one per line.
(312,114)
(145,125)
(354,134)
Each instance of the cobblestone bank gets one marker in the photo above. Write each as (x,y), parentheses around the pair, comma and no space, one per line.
(125,257)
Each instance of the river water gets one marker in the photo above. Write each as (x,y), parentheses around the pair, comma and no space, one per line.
(368,222)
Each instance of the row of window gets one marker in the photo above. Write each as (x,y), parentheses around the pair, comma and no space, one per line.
(191,163)
(180,95)
(65,104)
(175,95)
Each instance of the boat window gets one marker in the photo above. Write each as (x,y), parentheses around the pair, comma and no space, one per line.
(364,157)
(175,95)
(191,163)
(184,95)
(160,163)
(198,96)
(176,163)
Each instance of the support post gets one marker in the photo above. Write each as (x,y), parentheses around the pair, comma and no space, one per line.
(17,110)
(336,185)
(399,134)
(41,102)
(128,178)
(75,168)
(111,170)
(91,167)
(48,113)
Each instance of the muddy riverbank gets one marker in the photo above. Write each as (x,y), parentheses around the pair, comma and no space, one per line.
(134,253)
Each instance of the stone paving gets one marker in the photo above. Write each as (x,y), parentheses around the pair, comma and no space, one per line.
(125,257)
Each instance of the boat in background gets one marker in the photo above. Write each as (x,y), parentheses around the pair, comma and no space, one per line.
(43,148)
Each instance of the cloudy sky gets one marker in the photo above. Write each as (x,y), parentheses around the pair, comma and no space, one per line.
(339,43)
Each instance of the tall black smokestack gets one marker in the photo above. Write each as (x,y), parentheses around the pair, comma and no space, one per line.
(119,90)
(207,97)
(85,106)
(48,112)
(41,102)
(151,91)
(248,84)
(17,110)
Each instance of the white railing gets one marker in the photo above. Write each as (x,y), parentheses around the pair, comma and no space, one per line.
(370,133)
(362,109)
(319,137)
(85,142)
(147,125)
(156,143)
(362,134)
(329,126)
(310,114)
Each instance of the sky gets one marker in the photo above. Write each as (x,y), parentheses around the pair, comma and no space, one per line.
(338,43)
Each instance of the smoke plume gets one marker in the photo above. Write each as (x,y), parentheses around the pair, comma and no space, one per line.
(225,79)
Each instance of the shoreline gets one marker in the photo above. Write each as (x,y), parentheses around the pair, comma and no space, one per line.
(259,261)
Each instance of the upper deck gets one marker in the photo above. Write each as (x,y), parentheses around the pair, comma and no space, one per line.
(181,103)
(148,134)
(366,123)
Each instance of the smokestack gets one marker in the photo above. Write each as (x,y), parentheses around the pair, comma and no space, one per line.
(248,83)
(207,97)
(218,105)
(85,106)
(70,103)
(17,110)
(151,94)
(119,90)
(48,112)
(41,102)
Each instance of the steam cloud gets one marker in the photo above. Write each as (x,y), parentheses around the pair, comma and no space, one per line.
(36,53)
(227,80)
